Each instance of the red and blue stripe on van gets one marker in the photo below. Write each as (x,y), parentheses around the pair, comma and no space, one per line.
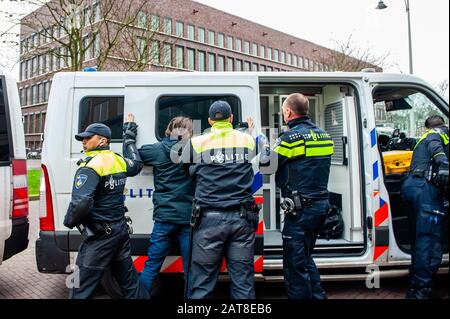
(381,207)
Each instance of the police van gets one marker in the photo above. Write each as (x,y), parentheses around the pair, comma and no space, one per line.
(368,166)
(13,172)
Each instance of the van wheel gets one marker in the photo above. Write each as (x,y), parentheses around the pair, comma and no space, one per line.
(110,285)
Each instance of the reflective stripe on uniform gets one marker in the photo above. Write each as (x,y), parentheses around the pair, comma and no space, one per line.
(444,137)
(222,136)
(313,148)
(105,163)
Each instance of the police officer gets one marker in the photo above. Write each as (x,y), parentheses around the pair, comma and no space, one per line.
(423,191)
(304,160)
(226,215)
(97,209)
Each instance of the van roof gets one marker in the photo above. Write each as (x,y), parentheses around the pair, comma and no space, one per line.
(269,76)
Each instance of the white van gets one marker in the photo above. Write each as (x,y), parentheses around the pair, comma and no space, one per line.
(13,172)
(349,106)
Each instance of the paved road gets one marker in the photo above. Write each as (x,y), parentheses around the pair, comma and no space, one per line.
(19,279)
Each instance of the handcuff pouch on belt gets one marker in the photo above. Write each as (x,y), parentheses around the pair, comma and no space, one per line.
(196,215)
(294,203)
(91,229)
(250,211)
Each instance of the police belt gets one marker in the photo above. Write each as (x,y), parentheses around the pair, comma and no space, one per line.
(296,202)
(100,226)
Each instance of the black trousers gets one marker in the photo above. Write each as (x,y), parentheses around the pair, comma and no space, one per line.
(98,253)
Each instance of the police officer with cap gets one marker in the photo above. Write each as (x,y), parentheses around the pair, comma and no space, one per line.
(224,213)
(304,160)
(424,191)
(97,209)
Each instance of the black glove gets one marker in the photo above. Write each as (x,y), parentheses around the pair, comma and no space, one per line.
(78,210)
(442,177)
(130,131)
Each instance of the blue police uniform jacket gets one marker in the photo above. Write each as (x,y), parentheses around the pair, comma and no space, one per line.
(304,159)
(220,163)
(431,150)
(102,177)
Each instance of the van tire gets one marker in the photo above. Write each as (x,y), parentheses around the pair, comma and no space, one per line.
(110,285)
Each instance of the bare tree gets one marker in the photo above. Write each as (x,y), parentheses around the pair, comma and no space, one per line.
(74,31)
(348,57)
(442,89)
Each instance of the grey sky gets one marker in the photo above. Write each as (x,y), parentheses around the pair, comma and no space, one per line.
(321,21)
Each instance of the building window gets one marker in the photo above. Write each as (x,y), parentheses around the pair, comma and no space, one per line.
(262,68)
(230,64)
(220,63)
(167,55)
(155,52)
(46,90)
(155,23)
(230,42)
(191,59)
(247,66)
(220,40)
(254,49)
(55,60)
(269,53)
(29,96)
(289,59)
(179,29)
(269,69)
(254,67)
(211,37)
(49,65)
(87,52)
(142,19)
(283,57)
(275,55)
(34,93)
(211,62)
(167,26)
(262,50)
(191,32)
(30,68)
(35,66)
(195,107)
(105,109)
(201,61)
(300,62)
(201,35)
(295,61)
(238,65)
(179,57)
(247,47)
(41,93)
(96,10)
(96,45)
(306,63)
(238,45)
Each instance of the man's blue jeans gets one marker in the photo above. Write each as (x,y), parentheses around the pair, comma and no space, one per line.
(161,241)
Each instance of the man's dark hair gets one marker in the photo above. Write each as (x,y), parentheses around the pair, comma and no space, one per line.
(298,103)
(434,121)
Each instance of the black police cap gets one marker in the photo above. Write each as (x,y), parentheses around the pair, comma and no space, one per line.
(220,110)
(94,129)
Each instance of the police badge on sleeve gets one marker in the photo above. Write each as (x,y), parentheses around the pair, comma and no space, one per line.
(80,180)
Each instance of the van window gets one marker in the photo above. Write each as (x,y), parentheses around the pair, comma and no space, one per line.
(102,109)
(334,125)
(4,138)
(195,107)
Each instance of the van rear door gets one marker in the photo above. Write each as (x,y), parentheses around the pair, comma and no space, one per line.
(5,168)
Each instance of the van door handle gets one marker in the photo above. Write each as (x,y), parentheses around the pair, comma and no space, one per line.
(369,227)
(344,150)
